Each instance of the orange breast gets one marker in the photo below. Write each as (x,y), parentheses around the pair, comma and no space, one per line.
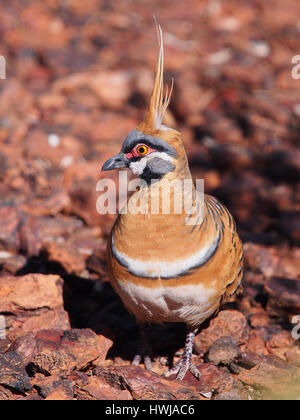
(165,244)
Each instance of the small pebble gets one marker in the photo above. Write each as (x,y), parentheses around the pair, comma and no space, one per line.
(66,161)
(53,140)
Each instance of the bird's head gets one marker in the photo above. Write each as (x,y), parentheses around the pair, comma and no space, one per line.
(153,150)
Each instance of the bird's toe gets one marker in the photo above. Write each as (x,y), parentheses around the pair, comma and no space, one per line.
(138,359)
(181,369)
(195,371)
(172,371)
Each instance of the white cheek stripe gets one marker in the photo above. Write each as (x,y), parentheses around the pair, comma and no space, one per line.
(164,269)
(139,166)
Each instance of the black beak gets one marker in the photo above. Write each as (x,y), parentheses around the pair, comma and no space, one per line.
(116,162)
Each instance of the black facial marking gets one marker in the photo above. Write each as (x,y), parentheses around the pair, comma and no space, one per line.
(135,137)
(156,169)
(135,158)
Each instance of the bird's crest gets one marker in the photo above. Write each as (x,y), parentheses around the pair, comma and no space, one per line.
(159,101)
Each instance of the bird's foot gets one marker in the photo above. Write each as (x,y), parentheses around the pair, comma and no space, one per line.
(185,364)
(182,367)
(144,349)
(138,358)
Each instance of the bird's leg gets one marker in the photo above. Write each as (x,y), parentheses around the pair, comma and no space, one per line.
(144,349)
(185,363)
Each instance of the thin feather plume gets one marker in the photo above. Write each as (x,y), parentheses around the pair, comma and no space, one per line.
(159,102)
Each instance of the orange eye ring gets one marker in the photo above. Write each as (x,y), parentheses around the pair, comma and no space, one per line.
(142,150)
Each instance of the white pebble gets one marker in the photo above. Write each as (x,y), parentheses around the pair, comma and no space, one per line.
(85,251)
(53,140)
(5,254)
(206,394)
(66,161)
(260,48)
(220,57)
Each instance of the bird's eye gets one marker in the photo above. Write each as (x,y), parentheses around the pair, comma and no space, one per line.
(142,149)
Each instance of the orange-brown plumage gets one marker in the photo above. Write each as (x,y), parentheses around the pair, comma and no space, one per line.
(136,237)
(164,269)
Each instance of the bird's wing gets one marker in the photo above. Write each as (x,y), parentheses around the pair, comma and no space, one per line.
(231,240)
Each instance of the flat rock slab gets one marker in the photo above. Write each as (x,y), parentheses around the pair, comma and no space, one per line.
(145,385)
(59,351)
(30,302)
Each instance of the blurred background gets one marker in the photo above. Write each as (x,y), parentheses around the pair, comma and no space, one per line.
(79,78)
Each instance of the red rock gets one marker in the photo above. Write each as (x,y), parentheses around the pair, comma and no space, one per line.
(98,389)
(191,98)
(289,226)
(9,228)
(67,255)
(39,146)
(213,380)
(52,205)
(13,264)
(291,261)
(51,101)
(4,345)
(30,292)
(72,250)
(223,351)
(56,387)
(145,385)
(58,395)
(249,359)
(80,181)
(257,343)
(293,357)
(22,351)
(236,392)
(13,376)
(30,236)
(281,343)
(229,396)
(227,324)
(260,319)
(284,296)
(50,228)
(79,378)
(274,381)
(97,264)
(32,301)
(112,87)
(231,156)
(38,232)
(28,322)
(6,394)
(68,350)
(280,340)
(111,127)
(32,395)
(261,258)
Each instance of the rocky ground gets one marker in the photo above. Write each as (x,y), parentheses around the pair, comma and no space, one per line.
(79,75)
